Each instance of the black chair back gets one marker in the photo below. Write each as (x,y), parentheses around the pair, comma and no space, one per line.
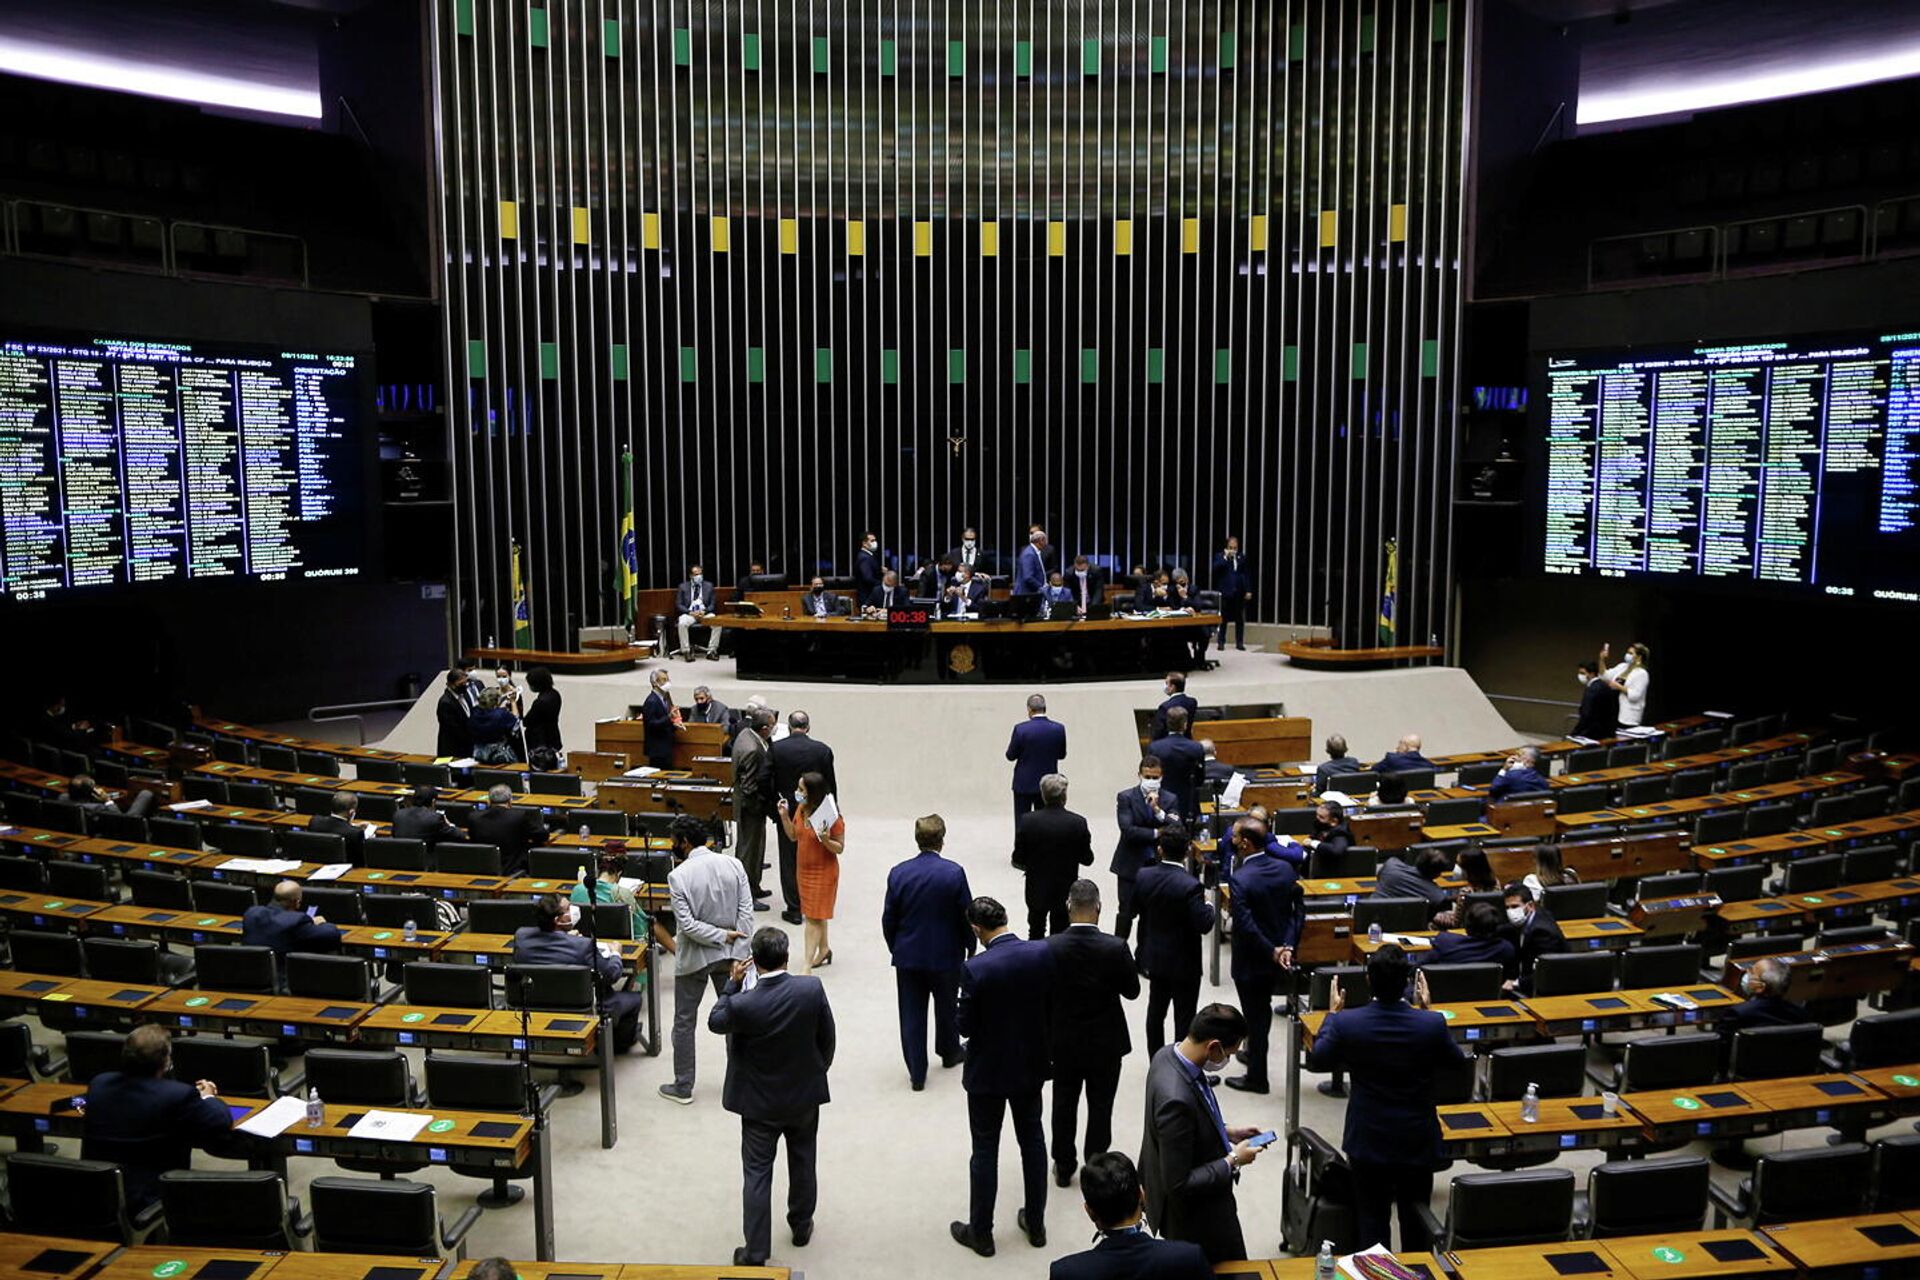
(393,910)
(555,784)
(198,786)
(1653,789)
(1720,827)
(1585,759)
(599,822)
(239,840)
(91,1052)
(460,986)
(1884,1040)
(1746,775)
(1870,862)
(1738,884)
(277,758)
(323,847)
(1672,885)
(1559,1069)
(1783,768)
(19,1060)
(1769,819)
(551,988)
(1812,875)
(252,795)
(1353,984)
(318,977)
(515,780)
(1768,1053)
(1626,753)
(1896,1174)
(228,1209)
(123,960)
(395,853)
(78,880)
(370,1215)
(558,862)
(174,833)
(1473,775)
(499,915)
(378,771)
(1574,974)
(360,1077)
(1396,783)
(337,906)
(1669,1062)
(109,824)
(1647,1197)
(1460,983)
(242,970)
(164,890)
(426,775)
(1394,915)
(1765,944)
(456,858)
(1341,864)
(1670,966)
(1584,799)
(1812,1182)
(243,1068)
(35,951)
(79,1199)
(1575,901)
(1488,1210)
(1455,812)
(223,899)
(1689,784)
(612,920)
(457,1082)
(17,872)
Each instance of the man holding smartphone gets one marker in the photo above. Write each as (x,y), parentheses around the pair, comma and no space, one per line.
(1189,1158)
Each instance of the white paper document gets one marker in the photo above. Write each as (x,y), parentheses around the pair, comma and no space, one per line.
(823,818)
(186,806)
(644,771)
(332,871)
(465,762)
(275,1118)
(392,1126)
(1230,798)
(260,866)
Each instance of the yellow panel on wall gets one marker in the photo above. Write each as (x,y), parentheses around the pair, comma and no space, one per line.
(1190,235)
(1056,239)
(649,231)
(923,239)
(1396,222)
(582,226)
(856,239)
(1329,228)
(1257,233)
(789,235)
(509,220)
(989,239)
(720,233)
(1123,236)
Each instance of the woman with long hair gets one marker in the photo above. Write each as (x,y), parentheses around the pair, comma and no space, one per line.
(818,844)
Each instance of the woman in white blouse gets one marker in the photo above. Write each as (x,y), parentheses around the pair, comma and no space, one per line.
(1629,679)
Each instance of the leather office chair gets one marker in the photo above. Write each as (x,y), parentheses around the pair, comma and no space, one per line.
(1768,1053)
(457,858)
(1737,884)
(1720,827)
(1396,783)
(1559,1069)
(1677,965)
(91,1052)
(395,853)
(1883,1040)
(108,824)
(79,880)
(21,1058)
(1896,1174)
(1578,973)
(1646,1197)
(1769,819)
(277,758)
(252,795)
(364,1078)
(36,951)
(175,833)
(240,840)
(1473,775)
(514,780)
(1793,1186)
(1869,863)
(1690,784)
(360,1215)
(599,822)
(1585,759)
(1626,753)
(223,899)
(162,890)
(321,977)
(247,1210)
(320,763)
(459,986)
(460,1083)
(1490,1210)
(77,1199)
(338,906)
(1345,864)
(1461,983)
(135,960)
(1586,901)
(243,1068)
(555,784)
(323,847)
(240,969)
(1583,799)
(499,915)
(1654,789)
(378,771)
(198,786)
(1317,1203)
(393,910)
(557,988)
(1393,915)
(1667,1062)
(17,872)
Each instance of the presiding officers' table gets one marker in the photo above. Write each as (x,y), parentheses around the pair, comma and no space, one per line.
(987,651)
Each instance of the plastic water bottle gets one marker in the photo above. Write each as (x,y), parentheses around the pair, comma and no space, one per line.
(1530,1104)
(410,931)
(316,1114)
(1373,933)
(1323,1268)
(585,831)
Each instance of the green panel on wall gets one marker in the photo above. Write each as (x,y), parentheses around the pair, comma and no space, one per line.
(1297,42)
(823,364)
(617,361)
(749,52)
(1023,57)
(1156,365)
(463,17)
(610,37)
(1089,57)
(537,28)
(890,366)
(689,364)
(956,364)
(1359,366)
(549,360)
(956,57)
(820,55)
(889,57)
(1430,358)
(1223,364)
(1366,33)
(1157,54)
(756,364)
(1229,49)
(1089,364)
(682,47)
(1022,365)
(1441,14)
(476,358)
(1290,364)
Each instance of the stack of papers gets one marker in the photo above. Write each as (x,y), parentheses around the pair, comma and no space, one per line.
(275,1118)
(392,1126)
(260,866)
(644,771)
(1641,731)
(823,818)
(332,871)
(186,805)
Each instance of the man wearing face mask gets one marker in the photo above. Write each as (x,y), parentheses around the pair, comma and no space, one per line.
(1030,572)
(1140,812)
(1177,696)
(1599,705)
(753,797)
(708,709)
(713,914)
(1534,933)
(1266,928)
(1518,776)
(866,567)
(1189,1157)
(933,580)
(968,553)
(1175,918)
(1234,581)
(821,603)
(964,595)
(694,603)
(661,720)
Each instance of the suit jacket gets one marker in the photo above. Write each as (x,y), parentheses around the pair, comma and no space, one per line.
(1175,917)
(1763,1011)
(1599,712)
(1094,590)
(1051,845)
(1266,913)
(1323,777)
(715,712)
(1232,576)
(957,555)
(1029,572)
(779,1046)
(976,596)
(837,604)
(355,837)
(1138,829)
(797,754)
(455,736)
(542,721)
(1037,747)
(877,598)
(1186,700)
(1144,601)
(693,597)
(1540,936)
(512,830)
(866,572)
(1183,1162)
(1134,1255)
(1183,763)
(1399,880)
(930,583)
(1005,997)
(1092,973)
(924,920)
(656,713)
(1461,948)
(422,822)
(1391,1051)
(1513,782)
(1334,839)
(1394,761)
(752,775)
(280,930)
(147,1125)
(534,945)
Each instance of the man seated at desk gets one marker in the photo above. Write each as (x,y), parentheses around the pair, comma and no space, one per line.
(1480,944)
(1416,879)
(1533,931)
(550,940)
(1405,755)
(1160,593)
(1520,775)
(820,603)
(284,925)
(965,594)
(1056,599)
(888,595)
(146,1123)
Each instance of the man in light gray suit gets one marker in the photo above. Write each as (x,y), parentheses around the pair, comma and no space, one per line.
(713,915)
(753,798)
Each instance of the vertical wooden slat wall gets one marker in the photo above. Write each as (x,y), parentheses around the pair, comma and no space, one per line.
(1143,271)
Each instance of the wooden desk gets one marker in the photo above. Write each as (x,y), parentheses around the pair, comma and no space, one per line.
(1847,971)
(86,998)
(1852,899)
(52,1257)
(496,949)
(631,1271)
(1469,1022)
(707,801)
(42,910)
(1800,1102)
(297,1016)
(128,856)
(1793,789)
(1716,1110)
(192,1009)
(1699,1255)
(189,927)
(1532,1262)
(1565,1124)
(1321,653)
(148,1261)
(1901,1084)
(1603,1011)
(351,1266)
(381,943)
(1680,763)
(1876,1239)
(586,662)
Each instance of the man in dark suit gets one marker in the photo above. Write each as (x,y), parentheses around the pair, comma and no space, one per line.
(889,594)
(1030,570)
(660,720)
(1233,579)
(1177,696)
(1519,775)
(822,603)
(931,582)
(1392,1051)
(779,1046)
(1086,584)
(753,800)
(147,1124)
(548,941)
(1092,974)
(1050,844)
(1406,755)
(1140,812)
(1183,761)
(511,830)
(1005,993)
(1110,1191)
(1189,1157)
(1175,917)
(453,713)
(1764,985)
(1337,762)
(1599,716)
(1331,831)
(282,925)
(969,552)
(744,585)
(1037,747)
(1266,928)
(693,604)
(793,757)
(924,922)
(866,566)
(1481,942)
(965,593)
(340,823)
(1400,878)
(418,818)
(1535,933)
(1214,772)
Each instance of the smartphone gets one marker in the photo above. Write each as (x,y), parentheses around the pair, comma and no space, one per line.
(312,912)
(1260,1140)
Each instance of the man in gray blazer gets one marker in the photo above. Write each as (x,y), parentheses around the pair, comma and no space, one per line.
(753,798)
(1189,1158)
(712,915)
(779,1045)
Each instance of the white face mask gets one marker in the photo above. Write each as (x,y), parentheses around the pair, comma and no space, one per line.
(663,686)
(1516,915)
(696,577)
(1213,1068)
(1151,786)
(799,797)
(1583,677)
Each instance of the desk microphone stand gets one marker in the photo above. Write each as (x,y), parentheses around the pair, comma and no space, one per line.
(542,1148)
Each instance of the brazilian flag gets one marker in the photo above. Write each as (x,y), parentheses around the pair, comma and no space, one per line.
(1390,594)
(522,619)
(629,552)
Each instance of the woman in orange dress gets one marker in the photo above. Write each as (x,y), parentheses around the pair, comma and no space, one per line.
(817,860)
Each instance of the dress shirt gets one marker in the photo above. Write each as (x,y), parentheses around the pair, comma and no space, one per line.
(1199,1078)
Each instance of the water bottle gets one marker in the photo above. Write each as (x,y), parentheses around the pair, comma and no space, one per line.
(410,931)
(1323,1268)
(585,831)
(1530,1104)
(1373,933)
(316,1114)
